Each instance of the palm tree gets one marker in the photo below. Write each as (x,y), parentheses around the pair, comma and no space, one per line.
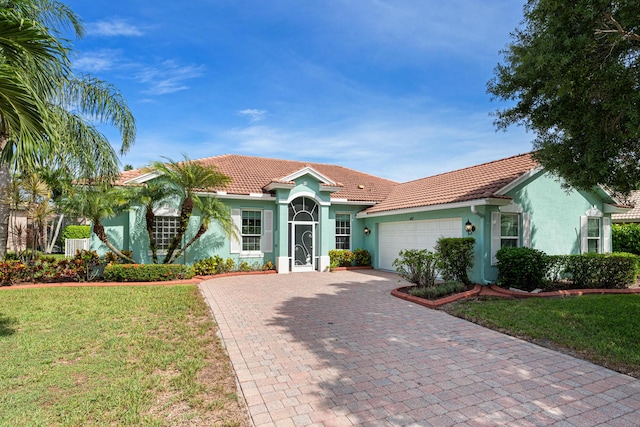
(98,203)
(45,109)
(187,177)
(151,195)
(211,209)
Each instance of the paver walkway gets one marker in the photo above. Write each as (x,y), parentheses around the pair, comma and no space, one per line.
(335,349)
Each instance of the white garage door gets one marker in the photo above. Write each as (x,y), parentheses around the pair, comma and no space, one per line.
(394,237)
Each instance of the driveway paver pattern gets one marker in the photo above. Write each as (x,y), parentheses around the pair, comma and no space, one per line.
(336,349)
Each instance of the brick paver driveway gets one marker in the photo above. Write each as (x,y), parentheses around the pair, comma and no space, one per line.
(336,349)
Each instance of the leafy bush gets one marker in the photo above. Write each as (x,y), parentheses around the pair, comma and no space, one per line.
(455,258)
(522,268)
(147,272)
(75,232)
(11,271)
(208,266)
(438,291)
(615,270)
(361,257)
(528,269)
(268,266)
(340,258)
(626,238)
(417,266)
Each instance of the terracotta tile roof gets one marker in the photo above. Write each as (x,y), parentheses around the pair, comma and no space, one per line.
(472,183)
(251,174)
(633,215)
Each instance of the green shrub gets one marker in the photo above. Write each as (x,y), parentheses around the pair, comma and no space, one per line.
(455,258)
(147,272)
(340,258)
(438,291)
(522,268)
(602,271)
(417,266)
(361,257)
(75,232)
(11,271)
(626,238)
(208,266)
(268,266)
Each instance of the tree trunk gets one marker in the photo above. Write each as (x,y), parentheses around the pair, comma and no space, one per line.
(201,231)
(150,219)
(185,213)
(54,236)
(98,229)
(5,207)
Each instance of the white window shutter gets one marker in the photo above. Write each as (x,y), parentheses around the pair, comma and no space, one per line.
(267,233)
(606,235)
(235,245)
(495,236)
(526,230)
(584,232)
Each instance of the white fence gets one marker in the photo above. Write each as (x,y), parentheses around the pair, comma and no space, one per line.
(73,245)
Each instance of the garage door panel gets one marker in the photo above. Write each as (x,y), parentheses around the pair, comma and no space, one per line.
(394,237)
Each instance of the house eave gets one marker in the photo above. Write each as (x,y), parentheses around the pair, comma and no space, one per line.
(519,180)
(140,179)
(252,196)
(490,201)
(616,209)
(279,186)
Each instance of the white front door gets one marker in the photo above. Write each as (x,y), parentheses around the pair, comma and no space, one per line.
(302,247)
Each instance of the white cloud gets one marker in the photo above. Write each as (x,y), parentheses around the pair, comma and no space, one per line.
(254,115)
(96,61)
(113,28)
(168,77)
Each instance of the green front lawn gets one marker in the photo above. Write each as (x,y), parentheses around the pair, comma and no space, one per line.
(112,356)
(602,328)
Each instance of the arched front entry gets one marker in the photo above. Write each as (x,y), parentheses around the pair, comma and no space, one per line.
(303,224)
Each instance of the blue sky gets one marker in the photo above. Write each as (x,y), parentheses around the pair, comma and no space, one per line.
(395,88)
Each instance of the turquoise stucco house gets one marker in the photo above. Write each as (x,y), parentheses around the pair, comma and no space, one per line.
(292,213)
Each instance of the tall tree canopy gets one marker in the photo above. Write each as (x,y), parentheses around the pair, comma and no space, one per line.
(47,112)
(572,73)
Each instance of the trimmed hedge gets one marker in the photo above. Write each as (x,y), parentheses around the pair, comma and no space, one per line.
(361,257)
(529,269)
(626,238)
(522,268)
(147,272)
(76,232)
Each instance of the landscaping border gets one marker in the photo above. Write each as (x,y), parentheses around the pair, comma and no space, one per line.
(195,280)
(496,291)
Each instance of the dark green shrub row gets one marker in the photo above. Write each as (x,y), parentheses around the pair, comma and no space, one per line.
(626,238)
(346,258)
(529,269)
(455,258)
(75,232)
(217,265)
(147,272)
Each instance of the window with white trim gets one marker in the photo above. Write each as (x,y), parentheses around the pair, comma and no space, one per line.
(165,229)
(343,231)
(509,230)
(251,230)
(593,235)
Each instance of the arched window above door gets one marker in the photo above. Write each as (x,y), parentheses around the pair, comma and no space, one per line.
(303,209)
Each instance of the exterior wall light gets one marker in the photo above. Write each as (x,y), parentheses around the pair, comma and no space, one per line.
(470,228)
(367,231)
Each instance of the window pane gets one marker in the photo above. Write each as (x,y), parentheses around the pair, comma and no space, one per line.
(251,222)
(593,227)
(342,242)
(164,231)
(509,243)
(509,225)
(593,245)
(250,243)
